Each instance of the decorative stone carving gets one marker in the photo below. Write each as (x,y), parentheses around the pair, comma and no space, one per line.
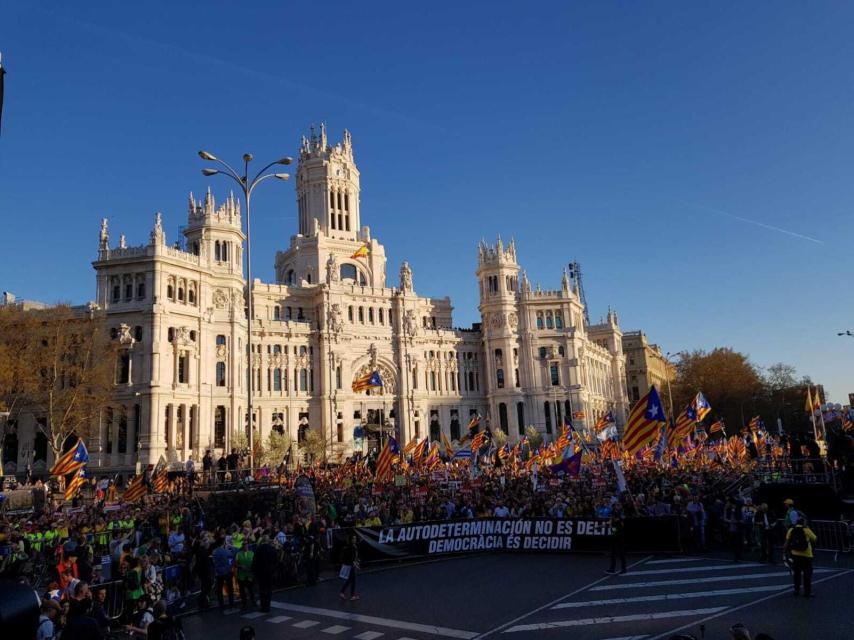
(334,318)
(373,351)
(104,237)
(332,273)
(123,244)
(125,337)
(405,277)
(512,319)
(410,325)
(182,335)
(388,377)
(157,235)
(220,299)
(221,352)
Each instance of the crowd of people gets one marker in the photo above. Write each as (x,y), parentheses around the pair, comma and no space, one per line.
(101,563)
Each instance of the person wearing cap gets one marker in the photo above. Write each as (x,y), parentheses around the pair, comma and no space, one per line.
(799,543)
(792,514)
(50,611)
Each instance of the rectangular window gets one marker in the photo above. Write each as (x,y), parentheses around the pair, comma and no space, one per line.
(338,377)
(277,379)
(220,374)
(554,374)
(123,367)
(183,369)
(520,418)
(219,427)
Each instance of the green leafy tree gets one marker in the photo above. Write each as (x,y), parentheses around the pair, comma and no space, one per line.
(276,449)
(535,438)
(314,446)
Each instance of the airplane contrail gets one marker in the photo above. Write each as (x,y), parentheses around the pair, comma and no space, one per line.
(757,223)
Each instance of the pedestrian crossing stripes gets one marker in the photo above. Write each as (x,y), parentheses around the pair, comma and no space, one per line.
(560,624)
(377,621)
(674,596)
(662,583)
(305,624)
(641,602)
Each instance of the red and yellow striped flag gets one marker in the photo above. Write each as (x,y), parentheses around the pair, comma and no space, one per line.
(645,421)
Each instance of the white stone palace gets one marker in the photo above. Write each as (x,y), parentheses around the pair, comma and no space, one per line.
(178,312)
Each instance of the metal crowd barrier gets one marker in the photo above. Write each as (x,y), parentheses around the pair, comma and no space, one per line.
(832,536)
(793,471)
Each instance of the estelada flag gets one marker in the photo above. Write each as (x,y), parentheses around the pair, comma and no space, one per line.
(135,490)
(370,380)
(76,483)
(645,420)
(71,461)
(386,459)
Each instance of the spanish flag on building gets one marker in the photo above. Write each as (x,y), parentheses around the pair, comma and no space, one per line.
(362,252)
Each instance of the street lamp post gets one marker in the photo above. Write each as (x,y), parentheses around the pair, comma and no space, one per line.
(667,357)
(247,186)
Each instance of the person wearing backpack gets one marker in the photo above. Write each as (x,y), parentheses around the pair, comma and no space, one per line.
(799,544)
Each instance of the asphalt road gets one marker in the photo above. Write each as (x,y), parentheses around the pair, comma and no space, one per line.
(520,597)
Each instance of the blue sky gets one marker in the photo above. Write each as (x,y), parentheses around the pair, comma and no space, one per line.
(694,157)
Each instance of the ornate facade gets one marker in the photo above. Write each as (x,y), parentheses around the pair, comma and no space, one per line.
(179,312)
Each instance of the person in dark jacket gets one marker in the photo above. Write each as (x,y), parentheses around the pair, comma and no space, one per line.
(618,538)
(202,567)
(263,568)
(163,625)
(349,566)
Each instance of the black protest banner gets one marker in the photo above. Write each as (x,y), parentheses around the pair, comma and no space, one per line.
(482,534)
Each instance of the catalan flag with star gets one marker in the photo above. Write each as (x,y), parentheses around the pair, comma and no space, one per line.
(135,490)
(386,459)
(370,380)
(71,461)
(76,484)
(645,420)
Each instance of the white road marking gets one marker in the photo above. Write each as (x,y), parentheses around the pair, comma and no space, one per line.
(228,612)
(368,635)
(580,622)
(253,615)
(278,619)
(380,622)
(672,596)
(305,624)
(670,560)
(663,583)
(335,629)
(501,627)
(715,567)
(671,632)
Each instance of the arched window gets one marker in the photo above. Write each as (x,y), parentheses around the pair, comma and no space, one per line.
(520,418)
(140,290)
(170,291)
(549,321)
(558,320)
(290,277)
(362,315)
(381,315)
(277,312)
(180,293)
(220,339)
(277,379)
(348,272)
(499,378)
(371,315)
(217,251)
(225,251)
(191,295)
(539,320)
(350,314)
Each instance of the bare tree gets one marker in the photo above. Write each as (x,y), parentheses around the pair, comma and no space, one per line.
(61,368)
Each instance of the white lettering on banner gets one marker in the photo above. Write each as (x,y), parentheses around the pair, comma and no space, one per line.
(495,533)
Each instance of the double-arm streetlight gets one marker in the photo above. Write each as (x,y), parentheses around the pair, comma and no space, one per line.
(247,186)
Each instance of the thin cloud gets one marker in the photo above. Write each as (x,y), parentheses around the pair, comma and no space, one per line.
(169,48)
(757,223)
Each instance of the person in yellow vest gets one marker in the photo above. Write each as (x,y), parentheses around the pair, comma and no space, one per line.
(237,539)
(245,577)
(799,544)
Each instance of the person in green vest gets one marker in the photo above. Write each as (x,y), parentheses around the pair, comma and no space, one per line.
(245,580)
(134,589)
